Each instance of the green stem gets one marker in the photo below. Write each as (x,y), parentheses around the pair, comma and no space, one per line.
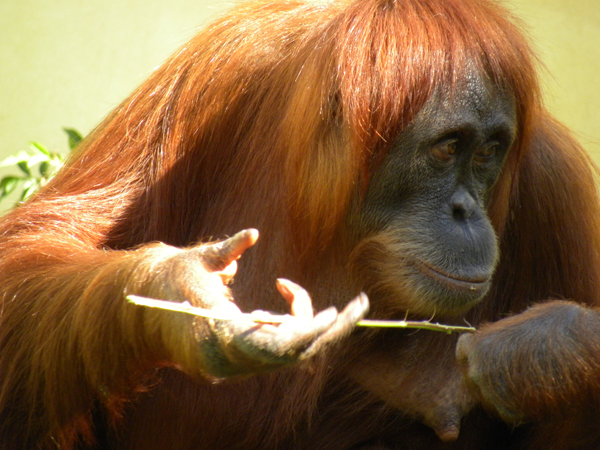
(186,308)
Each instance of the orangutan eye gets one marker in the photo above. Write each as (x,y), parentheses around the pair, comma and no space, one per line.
(445,151)
(487,153)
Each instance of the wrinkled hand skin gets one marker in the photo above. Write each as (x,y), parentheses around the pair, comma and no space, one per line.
(536,366)
(226,348)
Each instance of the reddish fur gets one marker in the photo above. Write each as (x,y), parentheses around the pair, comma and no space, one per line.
(269,118)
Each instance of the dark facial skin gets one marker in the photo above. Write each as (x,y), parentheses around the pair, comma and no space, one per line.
(428,246)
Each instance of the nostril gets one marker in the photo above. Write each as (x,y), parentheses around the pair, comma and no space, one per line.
(462,205)
(459,213)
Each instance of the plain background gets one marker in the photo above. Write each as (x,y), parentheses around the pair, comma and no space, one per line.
(68,63)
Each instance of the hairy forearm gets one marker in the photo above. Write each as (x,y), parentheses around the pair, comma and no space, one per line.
(536,365)
(64,311)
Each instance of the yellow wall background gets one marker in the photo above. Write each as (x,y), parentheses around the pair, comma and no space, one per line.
(566,35)
(69,62)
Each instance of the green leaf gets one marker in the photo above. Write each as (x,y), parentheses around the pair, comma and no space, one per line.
(24,166)
(13,160)
(8,184)
(45,169)
(24,157)
(36,146)
(49,162)
(30,188)
(74,137)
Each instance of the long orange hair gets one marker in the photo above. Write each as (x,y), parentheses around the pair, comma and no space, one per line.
(315,90)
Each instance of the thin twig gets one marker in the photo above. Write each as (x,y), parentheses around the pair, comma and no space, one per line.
(424,325)
(187,308)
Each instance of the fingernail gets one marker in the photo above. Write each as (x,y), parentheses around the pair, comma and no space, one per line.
(359,307)
(289,285)
(464,347)
(283,286)
(253,234)
(250,234)
(364,302)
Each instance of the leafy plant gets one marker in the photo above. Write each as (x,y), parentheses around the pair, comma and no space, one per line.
(37,166)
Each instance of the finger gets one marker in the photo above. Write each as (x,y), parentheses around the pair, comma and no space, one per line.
(327,326)
(356,310)
(275,345)
(296,334)
(228,272)
(324,320)
(221,254)
(464,348)
(297,297)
